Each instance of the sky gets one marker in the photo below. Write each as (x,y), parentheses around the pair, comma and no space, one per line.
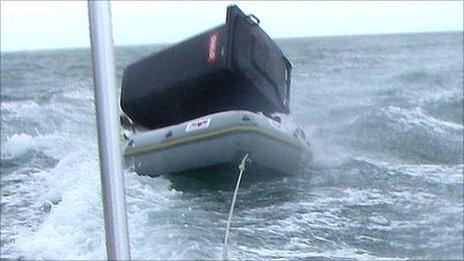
(32,25)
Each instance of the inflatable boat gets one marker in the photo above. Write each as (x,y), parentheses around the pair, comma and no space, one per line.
(209,100)
(218,139)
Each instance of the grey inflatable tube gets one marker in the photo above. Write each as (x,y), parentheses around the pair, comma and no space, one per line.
(214,140)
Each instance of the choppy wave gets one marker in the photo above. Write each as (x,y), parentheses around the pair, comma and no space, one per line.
(409,134)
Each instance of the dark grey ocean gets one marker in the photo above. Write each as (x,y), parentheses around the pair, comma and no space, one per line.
(384,115)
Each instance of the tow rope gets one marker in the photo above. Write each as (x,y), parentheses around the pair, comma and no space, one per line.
(231,211)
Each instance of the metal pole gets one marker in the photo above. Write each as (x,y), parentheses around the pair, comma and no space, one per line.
(117,243)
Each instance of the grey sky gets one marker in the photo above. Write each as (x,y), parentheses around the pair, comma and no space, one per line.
(55,24)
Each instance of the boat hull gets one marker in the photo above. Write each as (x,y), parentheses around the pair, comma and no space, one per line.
(214,140)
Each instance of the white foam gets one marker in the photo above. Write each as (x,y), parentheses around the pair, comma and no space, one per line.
(53,145)
(74,227)
(17,144)
(417,117)
(445,173)
(20,106)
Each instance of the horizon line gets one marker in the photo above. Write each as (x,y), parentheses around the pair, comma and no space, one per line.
(276,39)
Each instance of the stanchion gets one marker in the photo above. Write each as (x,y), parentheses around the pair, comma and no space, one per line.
(117,243)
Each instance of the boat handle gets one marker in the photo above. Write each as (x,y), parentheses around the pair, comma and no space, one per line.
(254,20)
